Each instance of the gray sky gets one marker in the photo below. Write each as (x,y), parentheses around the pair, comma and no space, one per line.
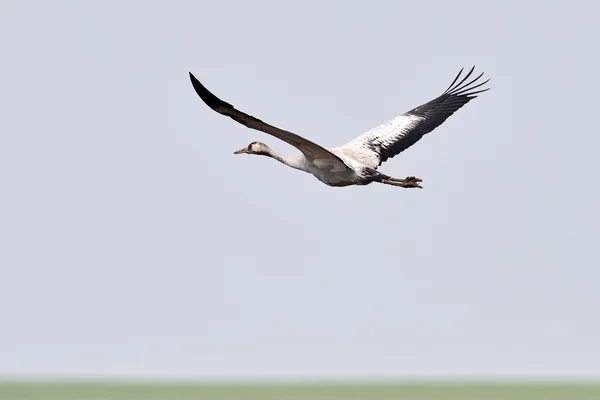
(134,243)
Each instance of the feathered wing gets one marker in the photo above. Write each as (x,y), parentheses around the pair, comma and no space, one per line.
(393,137)
(319,155)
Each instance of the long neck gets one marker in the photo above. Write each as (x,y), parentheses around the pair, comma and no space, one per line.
(294,162)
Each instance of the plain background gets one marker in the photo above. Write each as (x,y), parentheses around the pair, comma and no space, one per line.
(135,244)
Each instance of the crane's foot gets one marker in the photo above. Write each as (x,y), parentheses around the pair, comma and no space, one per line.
(409,182)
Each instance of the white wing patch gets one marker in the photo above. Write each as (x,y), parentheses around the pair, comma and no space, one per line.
(367,147)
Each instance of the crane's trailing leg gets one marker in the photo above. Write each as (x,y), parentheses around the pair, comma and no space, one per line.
(409,182)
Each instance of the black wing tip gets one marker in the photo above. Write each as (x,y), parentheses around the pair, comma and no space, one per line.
(465,89)
(195,81)
(210,99)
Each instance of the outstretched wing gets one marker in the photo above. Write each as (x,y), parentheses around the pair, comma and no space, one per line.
(395,136)
(320,156)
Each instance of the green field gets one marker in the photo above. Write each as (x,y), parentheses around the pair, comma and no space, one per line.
(126,391)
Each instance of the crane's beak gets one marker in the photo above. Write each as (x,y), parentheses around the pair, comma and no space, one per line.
(242,151)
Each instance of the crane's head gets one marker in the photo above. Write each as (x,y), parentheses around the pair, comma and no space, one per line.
(255,148)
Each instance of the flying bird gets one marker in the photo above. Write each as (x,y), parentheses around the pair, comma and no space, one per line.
(356,162)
